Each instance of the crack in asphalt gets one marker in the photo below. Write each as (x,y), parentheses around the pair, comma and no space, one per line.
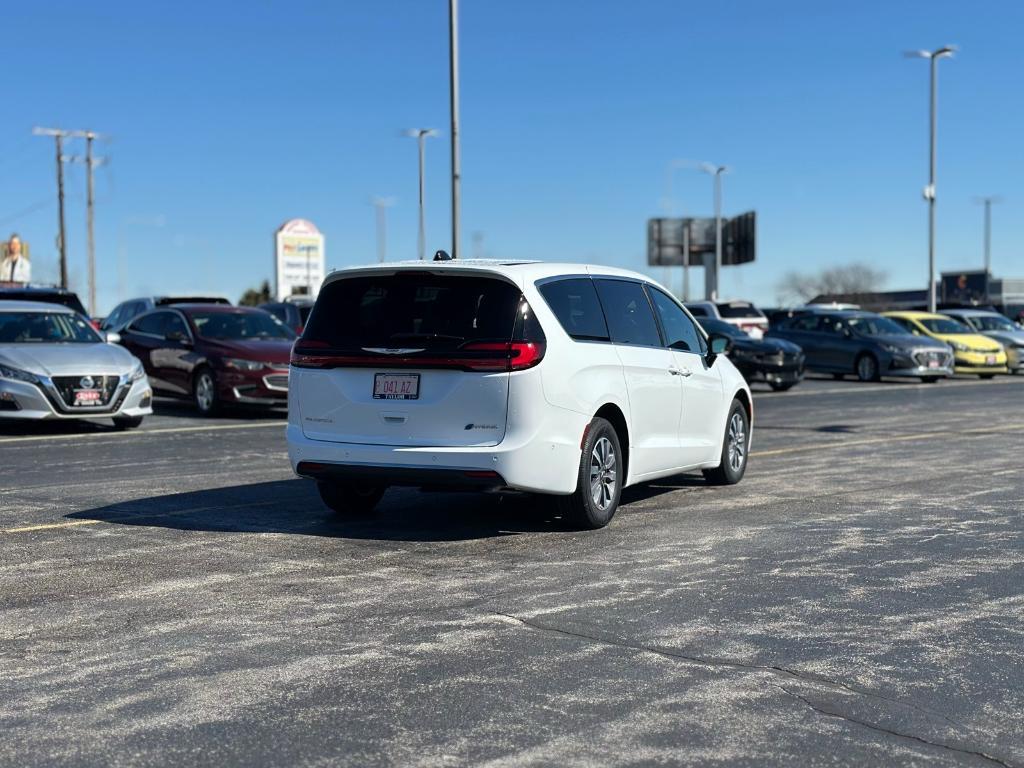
(890,732)
(803,677)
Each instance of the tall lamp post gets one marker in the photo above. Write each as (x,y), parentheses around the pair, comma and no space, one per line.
(381,205)
(929,191)
(987,201)
(453,81)
(716,172)
(421,134)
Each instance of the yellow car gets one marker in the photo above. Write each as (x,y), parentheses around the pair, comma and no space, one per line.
(972,352)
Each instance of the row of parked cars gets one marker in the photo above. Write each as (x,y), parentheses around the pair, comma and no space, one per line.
(56,363)
(846,341)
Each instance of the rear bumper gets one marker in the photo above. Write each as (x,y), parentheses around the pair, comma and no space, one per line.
(420,477)
(544,459)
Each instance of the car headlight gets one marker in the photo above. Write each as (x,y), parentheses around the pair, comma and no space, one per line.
(894,349)
(138,372)
(6,372)
(959,347)
(244,365)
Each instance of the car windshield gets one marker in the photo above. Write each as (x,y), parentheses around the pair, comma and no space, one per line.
(876,326)
(240,326)
(725,329)
(45,328)
(991,323)
(943,325)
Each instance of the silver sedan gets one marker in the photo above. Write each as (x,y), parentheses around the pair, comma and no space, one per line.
(53,365)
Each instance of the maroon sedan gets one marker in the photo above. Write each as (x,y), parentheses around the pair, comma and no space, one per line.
(213,354)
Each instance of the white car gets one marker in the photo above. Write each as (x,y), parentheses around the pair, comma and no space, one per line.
(562,379)
(742,314)
(54,365)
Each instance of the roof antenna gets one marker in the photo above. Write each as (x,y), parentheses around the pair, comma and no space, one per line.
(442,256)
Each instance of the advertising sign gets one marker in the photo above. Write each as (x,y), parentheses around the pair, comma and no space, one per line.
(298,259)
(667,240)
(14,264)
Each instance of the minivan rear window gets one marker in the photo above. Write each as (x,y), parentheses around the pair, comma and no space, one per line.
(415,310)
(738,309)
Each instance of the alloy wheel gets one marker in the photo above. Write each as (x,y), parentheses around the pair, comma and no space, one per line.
(602,473)
(737,439)
(204,392)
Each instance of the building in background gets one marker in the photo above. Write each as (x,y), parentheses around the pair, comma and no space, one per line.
(298,259)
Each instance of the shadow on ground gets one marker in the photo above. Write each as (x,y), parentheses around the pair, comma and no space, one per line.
(294,507)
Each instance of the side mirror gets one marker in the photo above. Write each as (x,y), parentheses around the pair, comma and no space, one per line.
(112,337)
(718,344)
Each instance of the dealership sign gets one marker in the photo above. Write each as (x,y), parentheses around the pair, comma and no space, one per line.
(298,259)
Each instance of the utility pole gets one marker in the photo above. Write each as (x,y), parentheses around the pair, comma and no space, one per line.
(929,191)
(381,204)
(59,136)
(90,164)
(421,134)
(453,65)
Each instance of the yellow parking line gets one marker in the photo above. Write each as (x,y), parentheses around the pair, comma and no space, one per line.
(144,432)
(27,528)
(893,439)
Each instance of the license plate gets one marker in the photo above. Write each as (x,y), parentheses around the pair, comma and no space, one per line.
(990,360)
(933,363)
(396,386)
(88,397)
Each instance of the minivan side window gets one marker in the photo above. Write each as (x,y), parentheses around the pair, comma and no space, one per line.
(630,319)
(574,302)
(680,332)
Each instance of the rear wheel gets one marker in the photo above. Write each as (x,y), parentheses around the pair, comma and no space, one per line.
(350,499)
(867,368)
(599,481)
(735,447)
(204,392)
(127,422)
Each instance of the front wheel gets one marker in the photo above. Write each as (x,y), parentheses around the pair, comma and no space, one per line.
(350,499)
(204,392)
(782,386)
(735,448)
(127,422)
(599,480)
(867,368)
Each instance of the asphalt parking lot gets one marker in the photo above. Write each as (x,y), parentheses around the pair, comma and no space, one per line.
(175,596)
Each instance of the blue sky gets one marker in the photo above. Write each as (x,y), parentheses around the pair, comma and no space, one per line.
(227,119)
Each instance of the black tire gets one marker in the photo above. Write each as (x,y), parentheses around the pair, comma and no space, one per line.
(866,367)
(127,422)
(600,464)
(206,401)
(986,375)
(349,499)
(735,443)
(929,379)
(782,386)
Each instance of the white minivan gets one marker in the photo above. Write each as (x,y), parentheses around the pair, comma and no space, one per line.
(563,379)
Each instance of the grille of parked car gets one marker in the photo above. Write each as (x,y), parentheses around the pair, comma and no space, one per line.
(923,358)
(67,386)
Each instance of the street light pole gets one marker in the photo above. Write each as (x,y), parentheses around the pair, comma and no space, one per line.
(987,201)
(59,135)
(929,191)
(716,171)
(453,64)
(421,134)
(381,204)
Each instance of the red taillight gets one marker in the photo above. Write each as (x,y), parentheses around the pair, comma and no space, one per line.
(482,357)
(489,474)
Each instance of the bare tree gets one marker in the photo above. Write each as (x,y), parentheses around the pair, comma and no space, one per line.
(852,279)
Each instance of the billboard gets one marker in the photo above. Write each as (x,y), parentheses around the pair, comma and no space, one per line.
(15,266)
(666,240)
(298,259)
(970,287)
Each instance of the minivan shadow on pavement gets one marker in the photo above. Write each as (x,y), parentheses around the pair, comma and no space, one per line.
(294,507)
